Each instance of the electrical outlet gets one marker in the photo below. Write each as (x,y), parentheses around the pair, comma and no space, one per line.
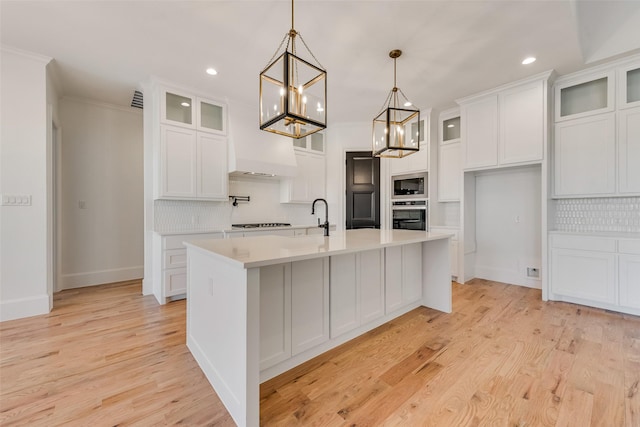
(533,272)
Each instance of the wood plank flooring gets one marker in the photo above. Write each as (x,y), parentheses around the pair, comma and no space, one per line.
(108,356)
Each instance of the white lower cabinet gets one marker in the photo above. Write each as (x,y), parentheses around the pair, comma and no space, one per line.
(309,304)
(294,309)
(584,274)
(173,263)
(275,314)
(403,276)
(357,290)
(598,271)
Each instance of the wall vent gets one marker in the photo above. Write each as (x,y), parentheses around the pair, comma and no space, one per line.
(136,102)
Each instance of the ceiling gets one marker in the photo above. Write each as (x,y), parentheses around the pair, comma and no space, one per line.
(102,50)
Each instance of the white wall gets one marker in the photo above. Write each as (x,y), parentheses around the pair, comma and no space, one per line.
(23,171)
(102,170)
(508,225)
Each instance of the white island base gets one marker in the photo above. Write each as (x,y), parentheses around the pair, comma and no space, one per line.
(258,306)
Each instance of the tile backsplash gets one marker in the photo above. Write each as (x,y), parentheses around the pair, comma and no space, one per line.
(614,214)
(264,206)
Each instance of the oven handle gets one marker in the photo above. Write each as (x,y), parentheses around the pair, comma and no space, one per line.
(409,208)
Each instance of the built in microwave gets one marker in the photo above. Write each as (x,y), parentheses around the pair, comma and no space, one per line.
(410,186)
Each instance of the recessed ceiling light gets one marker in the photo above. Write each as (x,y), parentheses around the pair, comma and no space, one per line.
(529,60)
(407,104)
(211,71)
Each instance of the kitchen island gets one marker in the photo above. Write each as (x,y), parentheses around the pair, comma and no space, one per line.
(258,306)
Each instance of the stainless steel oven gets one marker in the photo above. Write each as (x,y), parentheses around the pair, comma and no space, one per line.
(410,186)
(410,215)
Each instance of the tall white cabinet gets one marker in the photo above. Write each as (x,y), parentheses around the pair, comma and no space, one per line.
(597,132)
(191,152)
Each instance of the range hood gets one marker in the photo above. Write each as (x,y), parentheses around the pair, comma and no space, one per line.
(253,152)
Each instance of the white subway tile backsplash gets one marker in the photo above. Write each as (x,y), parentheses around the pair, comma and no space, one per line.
(614,214)
(264,206)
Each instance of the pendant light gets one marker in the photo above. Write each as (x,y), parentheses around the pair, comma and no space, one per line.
(293,91)
(396,129)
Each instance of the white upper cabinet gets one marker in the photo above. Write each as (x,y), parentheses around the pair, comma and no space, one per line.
(584,96)
(629,86)
(629,151)
(449,156)
(313,143)
(480,132)
(309,182)
(211,177)
(522,124)
(584,156)
(596,141)
(416,162)
(179,108)
(505,126)
(189,145)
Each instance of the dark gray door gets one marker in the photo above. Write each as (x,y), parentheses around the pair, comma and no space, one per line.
(363,190)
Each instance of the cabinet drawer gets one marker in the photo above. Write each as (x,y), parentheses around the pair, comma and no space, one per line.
(175,242)
(586,243)
(175,281)
(175,258)
(629,247)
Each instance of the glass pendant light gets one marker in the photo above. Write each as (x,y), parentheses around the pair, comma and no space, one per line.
(293,91)
(396,129)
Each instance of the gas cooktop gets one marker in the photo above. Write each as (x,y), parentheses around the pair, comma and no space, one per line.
(262,225)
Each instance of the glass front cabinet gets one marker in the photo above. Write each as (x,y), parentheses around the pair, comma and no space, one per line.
(185,110)
(629,86)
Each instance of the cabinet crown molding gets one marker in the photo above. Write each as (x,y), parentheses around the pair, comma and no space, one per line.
(545,76)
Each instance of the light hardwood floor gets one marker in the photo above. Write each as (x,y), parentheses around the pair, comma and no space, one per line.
(108,356)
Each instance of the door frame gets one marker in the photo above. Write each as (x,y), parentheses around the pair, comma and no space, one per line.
(384,188)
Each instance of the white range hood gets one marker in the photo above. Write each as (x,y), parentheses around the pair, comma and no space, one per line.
(253,152)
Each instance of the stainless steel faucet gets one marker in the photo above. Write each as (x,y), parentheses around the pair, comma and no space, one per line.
(325,225)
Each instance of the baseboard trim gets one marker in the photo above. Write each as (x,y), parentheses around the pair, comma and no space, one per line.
(505,276)
(92,278)
(24,307)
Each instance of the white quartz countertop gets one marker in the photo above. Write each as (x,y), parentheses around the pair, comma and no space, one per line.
(259,251)
(230,229)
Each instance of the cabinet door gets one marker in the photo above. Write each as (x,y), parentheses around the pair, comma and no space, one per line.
(177,108)
(178,162)
(411,273)
(449,173)
(584,156)
(522,124)
(345,306)
(371,285)
(298,186)
(393,278)
(212,175)
(629,150)
(309,304)
(212,116)
(275,314)
(629,281)
(316,177)
(480,132)
(175,282)
(584,274)
(585,96)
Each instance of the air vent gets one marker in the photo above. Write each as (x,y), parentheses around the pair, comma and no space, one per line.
(136,102)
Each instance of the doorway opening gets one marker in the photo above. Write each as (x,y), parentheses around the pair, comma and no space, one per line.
(362,190)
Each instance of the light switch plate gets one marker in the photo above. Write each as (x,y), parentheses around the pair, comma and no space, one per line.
(16,200)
